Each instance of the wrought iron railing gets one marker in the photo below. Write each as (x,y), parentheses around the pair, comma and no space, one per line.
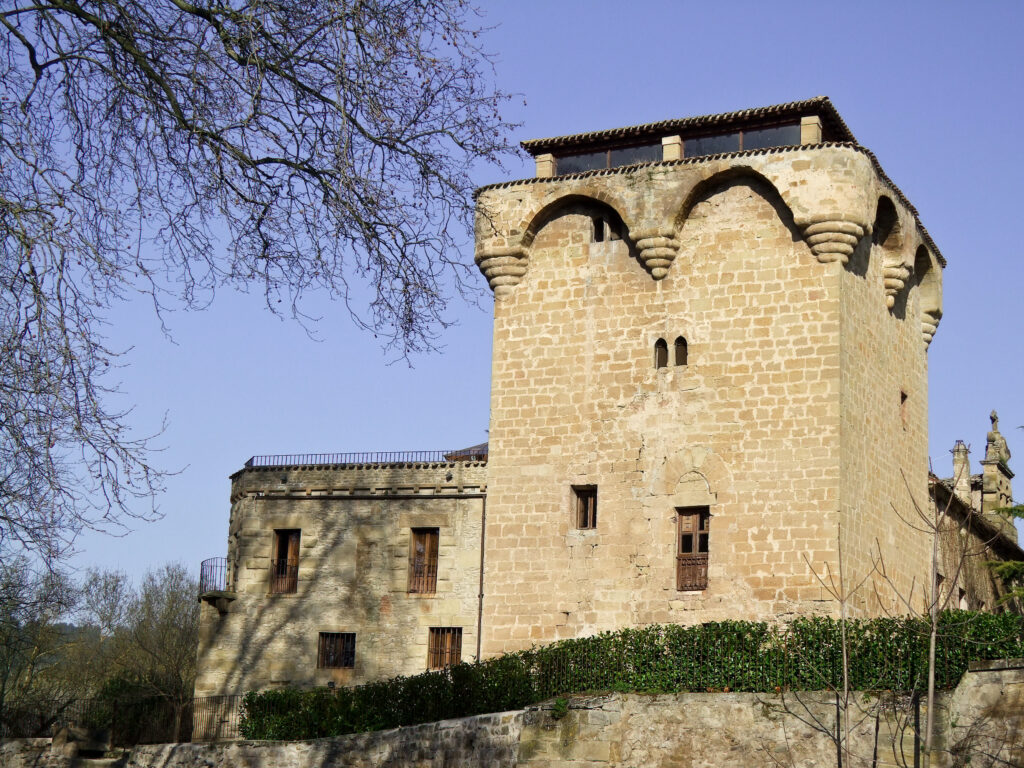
(284,577)
(477,453)
(213,575)
(422,577)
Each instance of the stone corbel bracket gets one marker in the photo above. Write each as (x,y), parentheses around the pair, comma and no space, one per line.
(657,248)
(503,266)
(834,239)
(894,278)
(929,324)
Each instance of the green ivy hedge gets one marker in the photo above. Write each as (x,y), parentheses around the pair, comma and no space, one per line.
(884,654)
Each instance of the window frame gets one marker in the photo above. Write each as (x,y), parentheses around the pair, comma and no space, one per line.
(584,507)
(444,647)
(423,566)
(344,650)
(284,571)
(692,566)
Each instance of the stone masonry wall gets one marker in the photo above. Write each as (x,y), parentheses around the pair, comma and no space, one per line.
(981,723)
(353,569)
(884,426)
(800,338)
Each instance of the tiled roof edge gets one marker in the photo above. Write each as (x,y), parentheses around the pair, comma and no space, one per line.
(724,156)
(536,146)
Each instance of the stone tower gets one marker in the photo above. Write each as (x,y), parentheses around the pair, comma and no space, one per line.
(710,368)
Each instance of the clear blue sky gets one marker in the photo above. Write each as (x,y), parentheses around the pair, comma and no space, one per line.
(933,88)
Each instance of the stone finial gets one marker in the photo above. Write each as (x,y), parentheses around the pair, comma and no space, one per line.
(657,247)
(503,266)
(834,239)
(996,448)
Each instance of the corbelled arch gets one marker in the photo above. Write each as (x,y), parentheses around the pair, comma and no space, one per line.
(504,266)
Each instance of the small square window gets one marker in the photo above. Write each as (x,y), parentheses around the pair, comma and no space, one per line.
(337,650)
(444,647)
(585,500)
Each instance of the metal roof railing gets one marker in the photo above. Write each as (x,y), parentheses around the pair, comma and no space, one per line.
(474,453)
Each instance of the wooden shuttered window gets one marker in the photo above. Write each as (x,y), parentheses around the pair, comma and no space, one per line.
(423,561)
(444,647)
(585,499)
(693,538)
(284,563)
(336,650)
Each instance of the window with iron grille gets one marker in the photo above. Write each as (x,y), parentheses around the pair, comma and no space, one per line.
(693,530)
(284,562)
(585,500)
(337,650)
(444,647)
(423,561)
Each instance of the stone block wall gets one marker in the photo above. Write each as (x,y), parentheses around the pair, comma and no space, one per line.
(353,573)
(801,336)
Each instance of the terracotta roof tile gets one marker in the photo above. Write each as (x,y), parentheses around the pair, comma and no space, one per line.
(834,126)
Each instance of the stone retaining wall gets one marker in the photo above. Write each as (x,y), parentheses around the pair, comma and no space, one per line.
(981,723)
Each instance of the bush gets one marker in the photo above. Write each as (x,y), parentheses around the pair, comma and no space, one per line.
(807,654)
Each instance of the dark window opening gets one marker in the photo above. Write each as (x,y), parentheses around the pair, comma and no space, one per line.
(681,351)
(606,228)
(609,158)
(598,229)
(337,650)
(693,531)
(423,561)
(284,563)
(444,647)
(903,408)
(660,353)
(737,141)
(586,506)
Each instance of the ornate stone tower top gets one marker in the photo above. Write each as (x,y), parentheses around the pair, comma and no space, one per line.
(996,448)
(996,479)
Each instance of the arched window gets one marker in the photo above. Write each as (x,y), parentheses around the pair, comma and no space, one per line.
(680,351)
(660,353)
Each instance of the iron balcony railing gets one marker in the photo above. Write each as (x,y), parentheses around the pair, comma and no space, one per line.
(213,575)
(476,453)
(422,577)
(284,577)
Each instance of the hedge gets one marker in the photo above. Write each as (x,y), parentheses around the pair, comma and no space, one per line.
(806,654)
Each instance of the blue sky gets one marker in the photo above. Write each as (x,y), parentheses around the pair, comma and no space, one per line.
(933,89)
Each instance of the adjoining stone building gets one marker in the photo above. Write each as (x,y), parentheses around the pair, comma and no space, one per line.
(709,377)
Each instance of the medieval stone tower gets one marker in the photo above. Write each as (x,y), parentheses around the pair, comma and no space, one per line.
(710,377)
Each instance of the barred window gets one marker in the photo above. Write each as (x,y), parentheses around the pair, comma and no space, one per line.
(444,647)
(284,565)
(423,561)
(337,650)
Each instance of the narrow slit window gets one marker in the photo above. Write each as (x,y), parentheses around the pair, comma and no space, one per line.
(585,497)
(423,561)
(598,229)
(337,650)
(903,408)
(444,647)
(693,544)
(660,353)
(284,563)
(681,351)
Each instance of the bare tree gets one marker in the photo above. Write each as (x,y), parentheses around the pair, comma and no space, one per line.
(170,148)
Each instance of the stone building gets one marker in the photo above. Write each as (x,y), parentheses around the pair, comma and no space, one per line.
(709,380)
